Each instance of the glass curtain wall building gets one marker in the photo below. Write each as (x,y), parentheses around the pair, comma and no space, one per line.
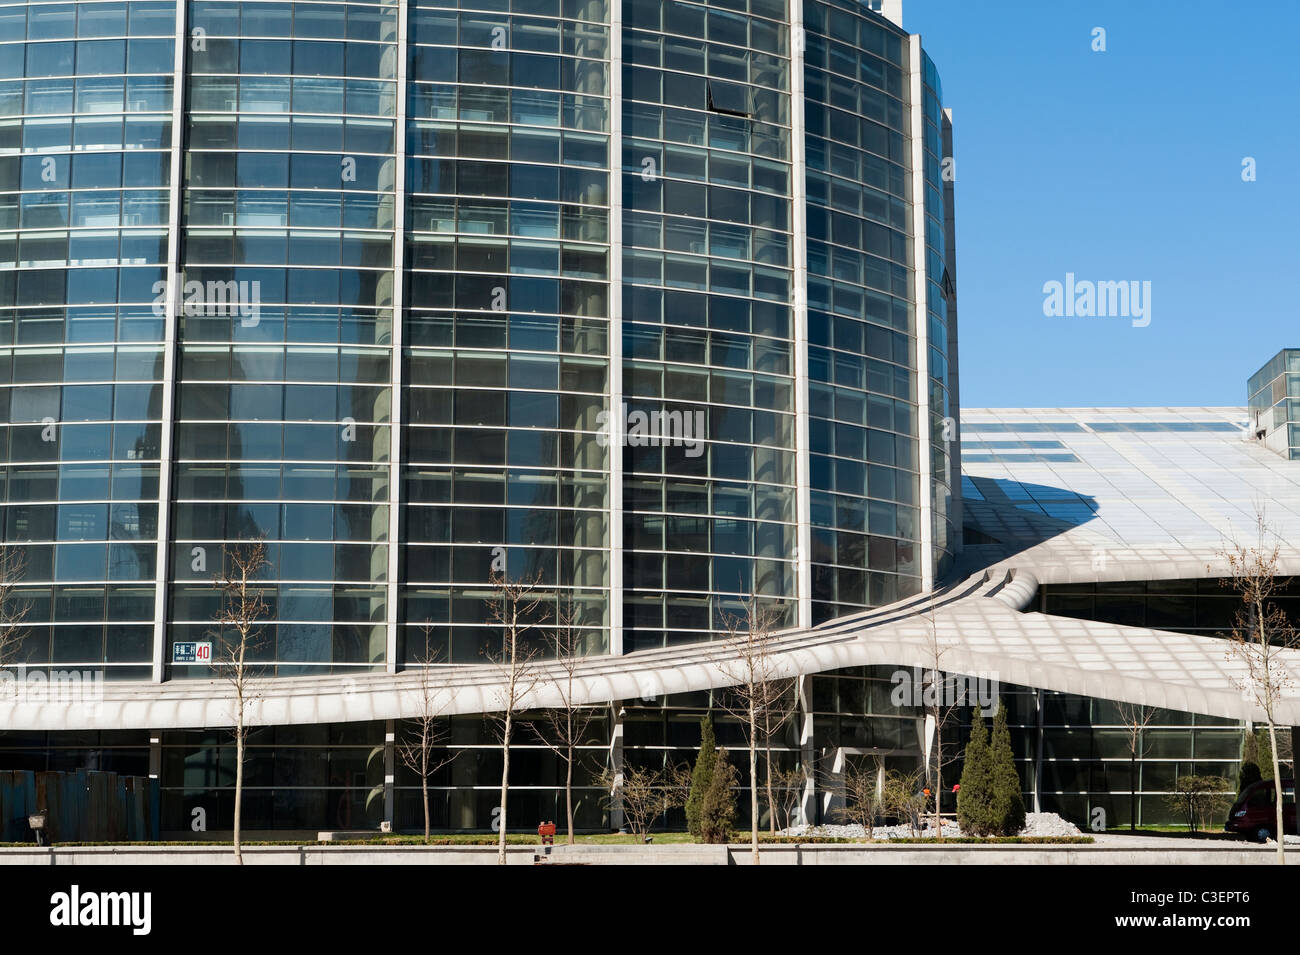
(390,284)
(356,278)
(1274,401)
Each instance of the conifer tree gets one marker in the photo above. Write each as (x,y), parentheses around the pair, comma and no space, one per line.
(718,808)
(1265,747)
(975,797)
(1250,771)
(1008,815)
(701,777)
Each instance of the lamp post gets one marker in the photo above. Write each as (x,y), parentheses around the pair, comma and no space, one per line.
(37,822)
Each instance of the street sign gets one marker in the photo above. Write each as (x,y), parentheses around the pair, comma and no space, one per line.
(192,652)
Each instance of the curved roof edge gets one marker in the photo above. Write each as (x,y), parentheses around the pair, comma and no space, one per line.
(975,628)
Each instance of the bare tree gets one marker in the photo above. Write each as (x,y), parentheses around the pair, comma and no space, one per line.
(942,702)
(567,723)
(1200,800)
(864,796)
(646,794)
(1134,718)
(513,609)
(1260,632)
(790,785)
(749,660)
(779,708)
(902,797)
(237,634)
(13,612)
(428,731)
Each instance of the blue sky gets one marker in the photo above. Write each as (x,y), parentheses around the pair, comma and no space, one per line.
(1121,165)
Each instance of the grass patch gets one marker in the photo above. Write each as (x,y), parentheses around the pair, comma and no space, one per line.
(1176,832)
(622,839)
(996,840)
(396,841)
(919,841)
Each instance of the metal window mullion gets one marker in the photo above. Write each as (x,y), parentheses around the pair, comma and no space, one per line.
(954,360)
(397,377)
(799,201)
(807,748)
(916,124)
(170,338)
(615,336)
(390,771)
(1038,751)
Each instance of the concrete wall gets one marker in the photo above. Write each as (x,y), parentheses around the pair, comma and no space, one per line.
(1228,853)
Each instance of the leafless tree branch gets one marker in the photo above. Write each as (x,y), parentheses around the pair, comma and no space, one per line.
(513,609)
(237,634)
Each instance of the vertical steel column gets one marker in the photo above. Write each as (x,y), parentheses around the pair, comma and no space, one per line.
(396,372)
(916,125)
(807,753)
(799,239)
(155,773)
(954,363)
(390,770)
(162,557)
(155,754)
(616,763)
(1038,754)
(615,337)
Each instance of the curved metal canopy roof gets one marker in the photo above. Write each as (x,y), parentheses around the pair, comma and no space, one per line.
(1055,496)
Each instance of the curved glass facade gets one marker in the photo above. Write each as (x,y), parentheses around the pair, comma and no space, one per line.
(371,280)
(374,319)
(284,410)
(86,140)
(506,330)
(863,433)
(707,317)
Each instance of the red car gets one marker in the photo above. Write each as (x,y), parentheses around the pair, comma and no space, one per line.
(1254,814)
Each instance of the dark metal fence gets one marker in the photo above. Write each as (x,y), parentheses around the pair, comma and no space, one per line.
(81,806)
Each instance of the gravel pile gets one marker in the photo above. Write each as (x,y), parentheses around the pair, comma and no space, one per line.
(1036,824)
(1048,824)
(950,831)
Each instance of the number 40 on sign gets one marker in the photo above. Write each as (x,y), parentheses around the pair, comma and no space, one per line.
(192,652)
